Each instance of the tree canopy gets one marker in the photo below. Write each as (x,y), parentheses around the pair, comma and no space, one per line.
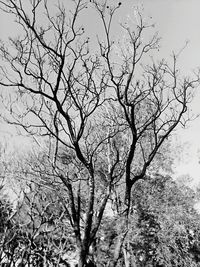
(105,113)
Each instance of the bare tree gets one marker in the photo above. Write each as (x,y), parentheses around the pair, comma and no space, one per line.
(104,113)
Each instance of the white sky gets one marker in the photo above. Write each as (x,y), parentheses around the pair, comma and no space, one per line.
(176,21)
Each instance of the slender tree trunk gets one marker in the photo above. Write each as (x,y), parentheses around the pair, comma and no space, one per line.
(118,249)
(81,261)
(82,256)
(126,257)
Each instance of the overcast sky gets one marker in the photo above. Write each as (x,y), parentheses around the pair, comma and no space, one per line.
(177,21)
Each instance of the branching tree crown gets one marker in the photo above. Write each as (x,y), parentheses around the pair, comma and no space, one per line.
(109,113)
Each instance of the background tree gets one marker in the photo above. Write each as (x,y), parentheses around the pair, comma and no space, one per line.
(163,227)
(168,224)
(110,113)
(7,229)
(44,237)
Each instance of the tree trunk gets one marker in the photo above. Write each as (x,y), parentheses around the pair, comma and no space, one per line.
(85,259)
(126,257)
(117,251)
(82,258)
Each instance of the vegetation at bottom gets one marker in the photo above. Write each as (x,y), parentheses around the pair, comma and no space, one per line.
(163,228)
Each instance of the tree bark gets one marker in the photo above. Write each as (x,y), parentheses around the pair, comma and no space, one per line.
(82,258)
(117,251)
(126,257)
